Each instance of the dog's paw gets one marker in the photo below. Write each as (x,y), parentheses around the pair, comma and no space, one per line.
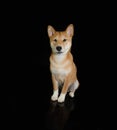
(71,94)
(54,97)
(61,98)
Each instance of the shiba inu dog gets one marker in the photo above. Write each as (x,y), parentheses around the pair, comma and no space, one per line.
(62,66)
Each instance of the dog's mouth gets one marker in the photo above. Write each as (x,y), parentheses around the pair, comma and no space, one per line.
(59,52)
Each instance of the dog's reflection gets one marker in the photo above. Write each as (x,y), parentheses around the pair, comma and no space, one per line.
(58,114)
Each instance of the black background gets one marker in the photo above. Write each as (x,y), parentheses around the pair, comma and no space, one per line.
(32,88)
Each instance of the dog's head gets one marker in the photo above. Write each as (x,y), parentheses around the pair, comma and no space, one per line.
(60,41)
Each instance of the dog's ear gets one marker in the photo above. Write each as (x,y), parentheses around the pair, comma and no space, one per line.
(70,30)
(51,31)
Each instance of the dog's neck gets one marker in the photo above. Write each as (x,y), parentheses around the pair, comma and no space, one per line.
(59,58)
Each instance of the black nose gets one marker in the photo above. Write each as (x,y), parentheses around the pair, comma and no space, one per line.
(58,48)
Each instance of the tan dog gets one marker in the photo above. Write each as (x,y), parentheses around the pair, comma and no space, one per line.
(62,66)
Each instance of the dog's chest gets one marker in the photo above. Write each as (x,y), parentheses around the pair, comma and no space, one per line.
(60,68)
(59,73)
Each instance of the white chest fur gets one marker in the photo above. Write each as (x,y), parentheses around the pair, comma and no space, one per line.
(60,71)
(59,65)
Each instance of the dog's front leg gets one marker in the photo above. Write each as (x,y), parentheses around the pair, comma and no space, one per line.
(55,89)
(64,91)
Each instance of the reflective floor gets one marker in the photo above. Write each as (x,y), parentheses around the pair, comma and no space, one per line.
(32,107)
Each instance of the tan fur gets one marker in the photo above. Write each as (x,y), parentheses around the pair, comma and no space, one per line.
(62,66)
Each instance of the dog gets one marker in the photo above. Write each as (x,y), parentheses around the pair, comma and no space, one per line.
(62,66)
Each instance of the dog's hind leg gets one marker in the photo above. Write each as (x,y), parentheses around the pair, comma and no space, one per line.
(73,88)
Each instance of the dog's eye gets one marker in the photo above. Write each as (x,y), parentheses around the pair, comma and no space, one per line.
(55,40)
(64,40)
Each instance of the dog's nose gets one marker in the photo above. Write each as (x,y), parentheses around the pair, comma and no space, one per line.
(58,48)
